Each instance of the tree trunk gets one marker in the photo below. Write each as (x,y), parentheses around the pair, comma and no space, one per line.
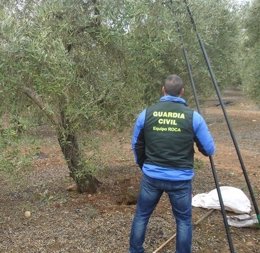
(85,181)
(70,149)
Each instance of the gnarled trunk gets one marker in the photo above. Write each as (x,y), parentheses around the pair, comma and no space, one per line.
(85,181)
(70,149)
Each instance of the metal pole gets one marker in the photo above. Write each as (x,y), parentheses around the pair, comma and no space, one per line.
(215,84)
(193,86)
(229,238)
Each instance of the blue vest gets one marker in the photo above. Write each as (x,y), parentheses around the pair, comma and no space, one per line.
(168,135)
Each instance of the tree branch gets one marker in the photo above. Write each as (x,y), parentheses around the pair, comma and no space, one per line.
(36,99)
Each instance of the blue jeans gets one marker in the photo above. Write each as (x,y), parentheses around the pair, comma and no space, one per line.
(179,193)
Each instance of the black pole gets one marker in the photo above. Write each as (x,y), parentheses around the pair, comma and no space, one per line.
(229,238)
(215,84)
(193,86)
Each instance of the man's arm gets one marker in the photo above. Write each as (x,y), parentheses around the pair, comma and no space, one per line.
(203,137)
(138,140)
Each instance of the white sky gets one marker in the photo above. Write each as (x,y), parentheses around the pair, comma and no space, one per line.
(240,2)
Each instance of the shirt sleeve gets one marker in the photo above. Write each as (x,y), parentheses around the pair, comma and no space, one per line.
(138,145)
(203,137)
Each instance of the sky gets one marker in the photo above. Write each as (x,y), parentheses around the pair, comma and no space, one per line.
(240,2)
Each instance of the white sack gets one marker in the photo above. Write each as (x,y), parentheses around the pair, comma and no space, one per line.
(234,200)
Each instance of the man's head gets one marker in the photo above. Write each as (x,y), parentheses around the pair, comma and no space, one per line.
(173,86)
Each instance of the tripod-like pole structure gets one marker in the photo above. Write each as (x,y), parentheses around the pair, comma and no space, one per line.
(215,84)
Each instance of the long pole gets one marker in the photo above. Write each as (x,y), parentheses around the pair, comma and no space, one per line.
(196,223)
(229,238)
(215,84)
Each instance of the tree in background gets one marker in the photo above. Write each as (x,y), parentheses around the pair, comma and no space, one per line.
(217,25)
(155,46)
(250,50)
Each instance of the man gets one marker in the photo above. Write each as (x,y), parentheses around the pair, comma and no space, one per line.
(163,140)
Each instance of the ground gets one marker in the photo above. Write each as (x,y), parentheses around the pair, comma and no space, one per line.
(62,220)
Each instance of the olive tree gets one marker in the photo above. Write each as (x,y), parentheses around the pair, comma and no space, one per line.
(59,58)
(250,49)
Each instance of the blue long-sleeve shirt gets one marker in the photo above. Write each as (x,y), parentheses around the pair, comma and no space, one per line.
(202,138)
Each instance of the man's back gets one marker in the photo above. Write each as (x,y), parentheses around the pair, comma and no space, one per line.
(168,134)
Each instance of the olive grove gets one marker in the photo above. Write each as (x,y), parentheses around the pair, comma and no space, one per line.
(93,64)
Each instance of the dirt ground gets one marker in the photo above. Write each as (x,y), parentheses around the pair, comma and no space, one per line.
(64,221)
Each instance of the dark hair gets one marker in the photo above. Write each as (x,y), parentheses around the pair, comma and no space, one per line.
(173,85)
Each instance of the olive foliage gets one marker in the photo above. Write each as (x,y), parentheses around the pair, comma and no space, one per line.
(250,49)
